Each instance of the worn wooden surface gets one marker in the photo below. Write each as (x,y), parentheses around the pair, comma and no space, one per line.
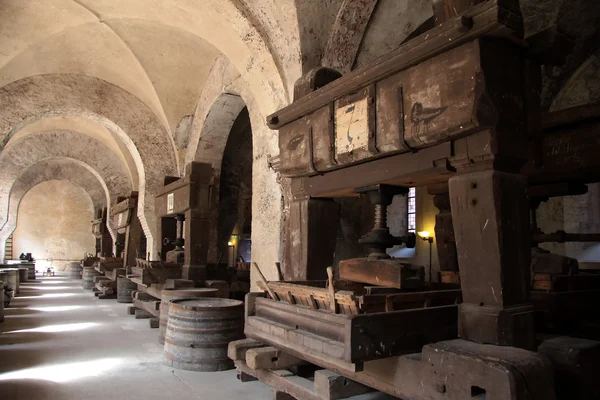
(310,234)
(444,229)
(331,386)
(390,273)
(270,358)
(491,223)
(350,340)
(317,297)
(488,18)
(238,348)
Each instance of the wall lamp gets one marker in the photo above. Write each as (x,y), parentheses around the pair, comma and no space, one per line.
(426,236)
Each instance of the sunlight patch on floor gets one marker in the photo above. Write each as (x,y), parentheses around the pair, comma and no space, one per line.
(61,373)
(58,328)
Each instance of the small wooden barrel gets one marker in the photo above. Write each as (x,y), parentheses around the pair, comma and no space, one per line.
(31,271)
(75,271)
(88,277)
(177,294)
(12,278)
(125,289)
(23,274)
(199,331)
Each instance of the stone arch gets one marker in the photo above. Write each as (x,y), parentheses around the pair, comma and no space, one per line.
(251,35)
(576,214)
(54,223)
(216,123)
(59,168)
(26,152)
(346,34)
(267,212)
(145,138)
(582,87)
(216,126)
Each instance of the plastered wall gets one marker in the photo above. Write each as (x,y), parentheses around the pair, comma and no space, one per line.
(54,222)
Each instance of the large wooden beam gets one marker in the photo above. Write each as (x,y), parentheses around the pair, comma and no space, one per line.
(389,273)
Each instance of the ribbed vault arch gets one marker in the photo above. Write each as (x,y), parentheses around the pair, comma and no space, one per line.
(150,146)
(59,168)
(33,149)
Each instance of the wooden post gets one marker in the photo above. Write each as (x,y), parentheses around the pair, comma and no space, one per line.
(490,209)
(444,230)
(133,236)
(197,240)
(310,238)
(106,241)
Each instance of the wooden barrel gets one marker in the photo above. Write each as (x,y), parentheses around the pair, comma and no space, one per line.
(75,271)
(88,277)
(23,274)
(12,278)
(31,271)
(177,294)
(125,289)
(199,331)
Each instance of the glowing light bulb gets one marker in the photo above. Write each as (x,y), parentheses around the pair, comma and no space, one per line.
(424,234)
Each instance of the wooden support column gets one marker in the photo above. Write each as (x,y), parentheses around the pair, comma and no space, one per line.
(310,237)
(444,230)
(133,237)
(197,240)
(491,223)
(490,208)
(106,244)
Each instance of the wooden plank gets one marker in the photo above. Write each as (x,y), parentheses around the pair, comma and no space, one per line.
(237,349)
(263,280)
(332,386)
(321,296)
(389,273)
(381,335)
(281,381)
(332,304)
(270,358)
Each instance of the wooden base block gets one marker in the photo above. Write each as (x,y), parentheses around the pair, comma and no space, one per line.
(332,386)
(237,349)
(142,314)
(131,310)
(154,323)
(244,377)
(270,358)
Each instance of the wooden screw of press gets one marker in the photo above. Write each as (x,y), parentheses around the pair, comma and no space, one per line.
(264,281)
(332,302)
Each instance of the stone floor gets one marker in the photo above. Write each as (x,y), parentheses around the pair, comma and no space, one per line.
(60,342)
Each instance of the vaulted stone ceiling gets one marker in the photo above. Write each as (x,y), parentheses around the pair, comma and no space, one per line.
(154,84)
